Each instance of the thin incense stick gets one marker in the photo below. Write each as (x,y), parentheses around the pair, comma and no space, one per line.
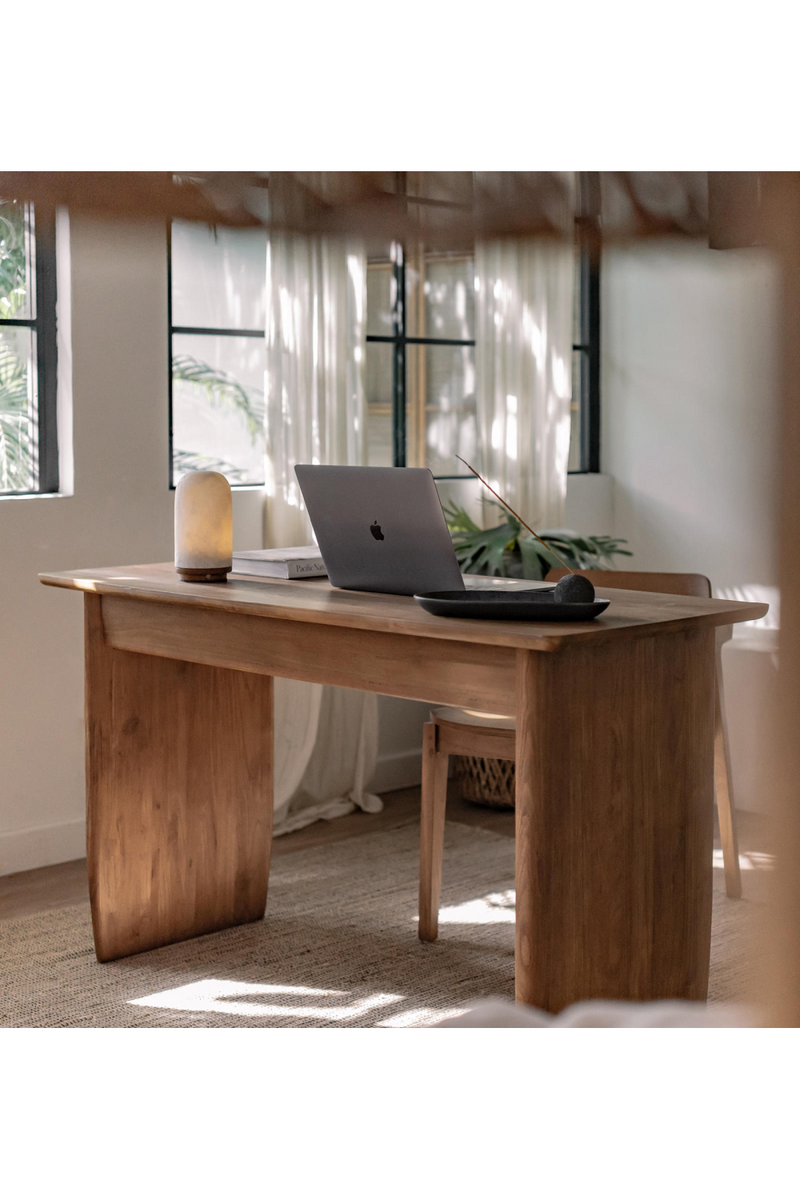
(505,504)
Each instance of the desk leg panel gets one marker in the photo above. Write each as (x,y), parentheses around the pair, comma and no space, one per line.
(178,795)
(614,799)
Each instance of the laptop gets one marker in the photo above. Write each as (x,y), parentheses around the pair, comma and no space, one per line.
(380,529)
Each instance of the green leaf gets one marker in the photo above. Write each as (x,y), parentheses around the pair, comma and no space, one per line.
(458,519)
(16,426)
(13,258)
(222,389)
(507,550)
(530,554)
(189,460)
(482,551)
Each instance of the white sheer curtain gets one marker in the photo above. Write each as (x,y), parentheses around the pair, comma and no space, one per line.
(325,738)
(523,359)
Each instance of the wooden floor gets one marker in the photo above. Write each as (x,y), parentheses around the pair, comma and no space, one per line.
(30,892)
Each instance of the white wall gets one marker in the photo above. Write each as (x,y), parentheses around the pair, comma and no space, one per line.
(688,408)
(689,428)
(120,512)
(589,506)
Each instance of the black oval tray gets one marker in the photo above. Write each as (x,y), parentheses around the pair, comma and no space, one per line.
(533,605)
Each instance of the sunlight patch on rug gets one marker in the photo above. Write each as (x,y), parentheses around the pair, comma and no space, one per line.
(751,861)
(214,995)
(420,1016)
(486,910)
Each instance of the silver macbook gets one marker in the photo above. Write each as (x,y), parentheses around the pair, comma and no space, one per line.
(380,529)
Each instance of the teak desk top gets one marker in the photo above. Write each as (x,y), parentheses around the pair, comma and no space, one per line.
(630,614)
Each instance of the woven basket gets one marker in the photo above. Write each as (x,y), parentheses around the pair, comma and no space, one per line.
(488,781)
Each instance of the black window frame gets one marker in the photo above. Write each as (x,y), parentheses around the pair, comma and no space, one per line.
(587,235)
(588,244)
(400,340)
(43,225)
(196,329)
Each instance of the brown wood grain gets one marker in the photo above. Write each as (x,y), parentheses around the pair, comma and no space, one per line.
(440,672)
(723,779)
(630,614)
(692,585)
(614,821)
(431,842)
(178,791)
(781,984)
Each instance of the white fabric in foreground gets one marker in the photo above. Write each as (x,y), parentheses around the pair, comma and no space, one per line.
(296,721)
(325,738)
(523,361)
(326,748)
(603,1014)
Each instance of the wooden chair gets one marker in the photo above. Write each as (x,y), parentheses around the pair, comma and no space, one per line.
(459,731)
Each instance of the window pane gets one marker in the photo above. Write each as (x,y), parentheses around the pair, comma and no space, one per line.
(579,382)
(18,466)
(379,404)
(17,294)
(440,297)
(441,407)
(218,279)
(218,406)
(380,297)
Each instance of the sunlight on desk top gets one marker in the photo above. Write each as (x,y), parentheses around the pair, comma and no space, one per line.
(630,614)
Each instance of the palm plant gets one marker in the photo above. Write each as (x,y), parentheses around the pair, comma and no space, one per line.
(16,428)
(221,390)
(13,274)
(507,550)
(17,444)
(184,461)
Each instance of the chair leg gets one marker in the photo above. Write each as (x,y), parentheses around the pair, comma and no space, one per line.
(723,784)
(431,845)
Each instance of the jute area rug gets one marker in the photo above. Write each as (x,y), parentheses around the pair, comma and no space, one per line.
(338,948)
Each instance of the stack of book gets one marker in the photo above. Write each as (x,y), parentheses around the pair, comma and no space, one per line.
(289,562)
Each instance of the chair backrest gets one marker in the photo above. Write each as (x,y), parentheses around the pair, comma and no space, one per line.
(668,583)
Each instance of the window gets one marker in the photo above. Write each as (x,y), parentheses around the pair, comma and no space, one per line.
(420,376)
(584,447)
(28,435)
(217,351)
(421,359)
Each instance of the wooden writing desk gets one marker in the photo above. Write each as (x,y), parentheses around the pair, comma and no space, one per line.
(614,788)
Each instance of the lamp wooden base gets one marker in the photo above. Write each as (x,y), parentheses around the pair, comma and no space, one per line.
(204,574)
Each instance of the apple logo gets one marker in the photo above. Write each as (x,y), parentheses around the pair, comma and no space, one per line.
(376,532)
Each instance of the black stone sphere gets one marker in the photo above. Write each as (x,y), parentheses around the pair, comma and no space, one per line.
(574,589)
